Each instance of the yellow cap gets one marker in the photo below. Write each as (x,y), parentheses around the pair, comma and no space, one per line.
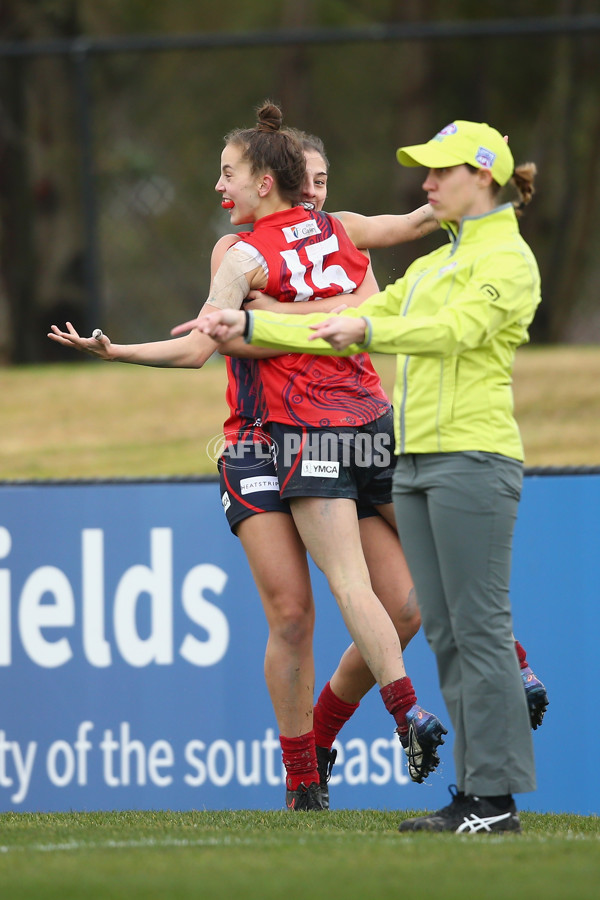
(460,142)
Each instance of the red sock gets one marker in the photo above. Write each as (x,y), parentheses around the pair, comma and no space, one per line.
(300,760)
(398,697)
(329,716)
(521,654)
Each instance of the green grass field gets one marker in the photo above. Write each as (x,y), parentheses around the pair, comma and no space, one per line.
(264,855)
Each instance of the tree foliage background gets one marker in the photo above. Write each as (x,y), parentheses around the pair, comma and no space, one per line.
(159,118)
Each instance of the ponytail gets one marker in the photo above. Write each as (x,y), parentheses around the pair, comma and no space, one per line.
(522,179)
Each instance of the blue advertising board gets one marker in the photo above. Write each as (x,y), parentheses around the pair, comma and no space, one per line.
(131,656)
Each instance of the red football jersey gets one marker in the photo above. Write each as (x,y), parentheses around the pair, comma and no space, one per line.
(245,400)
(309,256)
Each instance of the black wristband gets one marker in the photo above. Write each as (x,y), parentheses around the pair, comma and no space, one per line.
(246,323)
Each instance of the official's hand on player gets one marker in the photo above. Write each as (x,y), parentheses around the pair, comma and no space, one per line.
(100,346)
(221,326)
(340,331)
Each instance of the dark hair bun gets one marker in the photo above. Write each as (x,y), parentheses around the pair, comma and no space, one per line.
(269,116)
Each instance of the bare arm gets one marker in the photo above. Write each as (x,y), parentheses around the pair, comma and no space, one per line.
(240,349)
(185,352)
(386,231)
(189,351)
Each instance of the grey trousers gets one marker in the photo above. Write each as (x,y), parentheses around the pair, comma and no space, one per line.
(456,514)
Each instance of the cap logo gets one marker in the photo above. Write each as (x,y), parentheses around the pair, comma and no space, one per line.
(485,158)
(445,132)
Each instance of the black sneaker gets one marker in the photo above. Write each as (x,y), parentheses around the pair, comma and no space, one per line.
(467,815)
(304,798)
(325,762)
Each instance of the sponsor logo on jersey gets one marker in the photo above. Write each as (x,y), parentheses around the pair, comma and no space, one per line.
(485,158)
(320,468)
(253,485)
(300,231)
(225,500)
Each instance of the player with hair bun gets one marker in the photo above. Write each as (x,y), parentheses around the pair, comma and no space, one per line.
(296,253)
(304,254)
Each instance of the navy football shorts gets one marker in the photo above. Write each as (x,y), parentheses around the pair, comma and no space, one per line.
(353,462)
(250,484)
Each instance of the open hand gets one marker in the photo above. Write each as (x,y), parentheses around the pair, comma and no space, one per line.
(100,347)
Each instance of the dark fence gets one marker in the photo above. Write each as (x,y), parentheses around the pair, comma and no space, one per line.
(110,151)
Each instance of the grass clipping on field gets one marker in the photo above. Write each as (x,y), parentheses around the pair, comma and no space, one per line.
(100,420)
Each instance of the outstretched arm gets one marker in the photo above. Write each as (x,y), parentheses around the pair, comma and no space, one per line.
(387,230)
(188,352)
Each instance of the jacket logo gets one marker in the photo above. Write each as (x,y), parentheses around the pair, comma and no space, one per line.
(447,268)
(491,291)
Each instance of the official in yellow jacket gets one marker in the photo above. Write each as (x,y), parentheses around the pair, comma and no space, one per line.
(455,320)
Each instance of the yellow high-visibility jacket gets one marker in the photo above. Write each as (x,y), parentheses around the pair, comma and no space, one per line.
(455,320)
